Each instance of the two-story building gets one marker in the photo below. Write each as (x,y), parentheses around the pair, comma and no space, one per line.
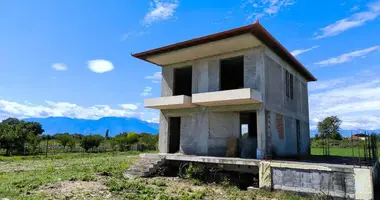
(238,84)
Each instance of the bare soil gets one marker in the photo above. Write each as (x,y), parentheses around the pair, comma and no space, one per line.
(75,190)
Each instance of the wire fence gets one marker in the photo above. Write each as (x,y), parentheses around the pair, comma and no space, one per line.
(363,148)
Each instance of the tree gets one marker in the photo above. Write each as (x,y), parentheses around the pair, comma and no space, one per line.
(91,141)
(149,141)
(125,140)
(11,121)
(107,134)
(63,139)
(33,142)
(329,127)
(15,134)
(8,136)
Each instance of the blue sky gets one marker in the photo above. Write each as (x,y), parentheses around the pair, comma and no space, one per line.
(72,58)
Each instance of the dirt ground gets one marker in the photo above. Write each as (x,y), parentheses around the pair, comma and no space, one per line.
(74,190)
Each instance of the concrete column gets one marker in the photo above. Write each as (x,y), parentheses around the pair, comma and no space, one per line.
(202,76)
(251,75)
(202,133)
(163,136)
(213,75)
(265,177)
(261,132)
(363,183)
(167,81)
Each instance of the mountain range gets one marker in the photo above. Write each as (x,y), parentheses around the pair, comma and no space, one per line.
(115,125)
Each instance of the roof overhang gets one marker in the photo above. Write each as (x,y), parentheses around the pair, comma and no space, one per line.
(228,41)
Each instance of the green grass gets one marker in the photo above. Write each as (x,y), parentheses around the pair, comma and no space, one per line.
(19,175)
(335,151)
(32,177)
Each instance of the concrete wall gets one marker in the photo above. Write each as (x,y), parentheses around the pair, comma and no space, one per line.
(194,134)
(264,72)
(276,102)
(333,183)
(222,125)
(205,132)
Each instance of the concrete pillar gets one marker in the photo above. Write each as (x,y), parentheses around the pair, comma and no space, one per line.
(251,75)
(265,176)
(163,137)
(214,75)
(363,183)
(167,81)
(202,132)
(201,68)
(261,132)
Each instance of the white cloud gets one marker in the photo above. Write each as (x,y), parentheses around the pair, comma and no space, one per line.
(156,77)
(301,51)
(355,20)
(347,57)
(59,66)
(263,8)
(129,106)
(147,91)
(160,11)
(356,100)
(100,66)
(65,109)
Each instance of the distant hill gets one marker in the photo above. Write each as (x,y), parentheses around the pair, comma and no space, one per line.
(116,125)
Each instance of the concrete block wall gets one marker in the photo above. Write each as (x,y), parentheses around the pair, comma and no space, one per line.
(335,183)
(222,126)
(277,102)
(205,132)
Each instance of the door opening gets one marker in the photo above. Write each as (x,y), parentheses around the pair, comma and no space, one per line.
(174,134)
(248,137)
(232,73)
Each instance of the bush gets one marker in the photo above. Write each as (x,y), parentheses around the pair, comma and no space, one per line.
(91,141)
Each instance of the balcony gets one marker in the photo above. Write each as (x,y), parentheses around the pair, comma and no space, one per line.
(171,102)
(227,97)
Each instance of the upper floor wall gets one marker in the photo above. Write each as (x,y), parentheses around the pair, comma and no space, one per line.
(282,87)
(240,69)
(286,89)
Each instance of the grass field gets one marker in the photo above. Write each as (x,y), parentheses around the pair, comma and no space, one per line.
(340,152)
(99,176)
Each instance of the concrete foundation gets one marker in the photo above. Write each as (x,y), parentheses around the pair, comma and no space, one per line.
(335,180)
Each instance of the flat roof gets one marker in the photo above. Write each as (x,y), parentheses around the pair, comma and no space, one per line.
(255,29)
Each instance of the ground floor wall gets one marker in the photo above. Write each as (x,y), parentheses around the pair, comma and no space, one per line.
(205,131)
(290,136)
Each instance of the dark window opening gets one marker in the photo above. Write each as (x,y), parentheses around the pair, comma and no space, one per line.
(289,84)
(174,134)
(182,81)
(232,73)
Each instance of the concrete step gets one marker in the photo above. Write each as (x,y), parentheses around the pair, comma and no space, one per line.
(148,165)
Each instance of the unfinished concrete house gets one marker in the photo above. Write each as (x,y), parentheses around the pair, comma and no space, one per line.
(238,84)
(240,99)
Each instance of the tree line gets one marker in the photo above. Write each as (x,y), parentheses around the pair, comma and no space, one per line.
(18,137)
